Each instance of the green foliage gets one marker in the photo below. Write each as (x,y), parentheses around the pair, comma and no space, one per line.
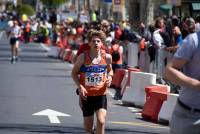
(53,3)
(26,9)
(9,6)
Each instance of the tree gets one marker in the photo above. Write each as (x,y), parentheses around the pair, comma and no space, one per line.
(25,9)
(149,15)
(53,3)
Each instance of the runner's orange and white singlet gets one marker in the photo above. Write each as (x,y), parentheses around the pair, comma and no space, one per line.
(93,76)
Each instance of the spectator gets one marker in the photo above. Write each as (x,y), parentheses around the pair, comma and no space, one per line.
(186,116)
(190,24)
(160,45)
(117,54)
(197,25)
(176,42)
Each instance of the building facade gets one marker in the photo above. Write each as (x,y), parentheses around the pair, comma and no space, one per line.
(144,10)
(190,8)
(148,10)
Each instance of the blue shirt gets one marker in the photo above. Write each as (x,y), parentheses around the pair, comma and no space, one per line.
(179,40)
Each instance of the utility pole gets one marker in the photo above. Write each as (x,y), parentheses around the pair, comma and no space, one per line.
(79,8)
(88,5)
(37,6)
(89,8)
(100,9)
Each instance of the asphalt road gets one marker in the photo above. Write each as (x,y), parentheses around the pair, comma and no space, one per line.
(37,96)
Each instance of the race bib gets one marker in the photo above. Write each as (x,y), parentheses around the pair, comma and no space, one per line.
(94,79)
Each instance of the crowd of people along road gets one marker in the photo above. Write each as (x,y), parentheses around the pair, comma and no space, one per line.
(168,41)
(161,40)
(157,42)
(161,47)
(178,45)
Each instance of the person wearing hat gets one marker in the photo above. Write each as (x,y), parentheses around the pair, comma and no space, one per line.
(184,70)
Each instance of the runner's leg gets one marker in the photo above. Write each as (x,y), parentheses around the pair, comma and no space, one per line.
(88,123)
(101,119)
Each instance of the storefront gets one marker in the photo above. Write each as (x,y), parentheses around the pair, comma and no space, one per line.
(190,8)
(195,9)
(182,8)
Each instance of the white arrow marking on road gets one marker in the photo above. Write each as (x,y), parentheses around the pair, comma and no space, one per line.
(52,115)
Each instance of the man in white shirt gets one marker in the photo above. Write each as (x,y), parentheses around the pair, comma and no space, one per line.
(159,44)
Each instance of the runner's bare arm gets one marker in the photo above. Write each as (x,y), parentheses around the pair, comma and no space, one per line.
(173,74)
(75,72)
(109,69)
(74,58)
(109,64)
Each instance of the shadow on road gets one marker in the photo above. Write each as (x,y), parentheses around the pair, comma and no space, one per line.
(28,58)
(66,130)
(51,76)
(126,131)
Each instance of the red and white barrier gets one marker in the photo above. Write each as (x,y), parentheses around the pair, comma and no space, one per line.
(127,78)
(124,83)
(157,87)
(130,69)
(136,93)
(61,53)
(154,102)
(53,52)
(118,77)
(167,108)
(155,95)
(68,55)
(132,55)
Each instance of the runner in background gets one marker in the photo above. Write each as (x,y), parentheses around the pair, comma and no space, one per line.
(14,34)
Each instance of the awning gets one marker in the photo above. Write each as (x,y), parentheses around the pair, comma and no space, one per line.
(108,1)
(166,7)
(196,6)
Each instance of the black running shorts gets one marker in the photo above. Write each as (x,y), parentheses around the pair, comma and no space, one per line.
(13,40)
(92,104)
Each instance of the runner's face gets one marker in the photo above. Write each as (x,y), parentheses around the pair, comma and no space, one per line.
(95,43)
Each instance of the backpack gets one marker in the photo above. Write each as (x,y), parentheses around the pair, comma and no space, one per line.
(166,38)
(115,54)
(118,33)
